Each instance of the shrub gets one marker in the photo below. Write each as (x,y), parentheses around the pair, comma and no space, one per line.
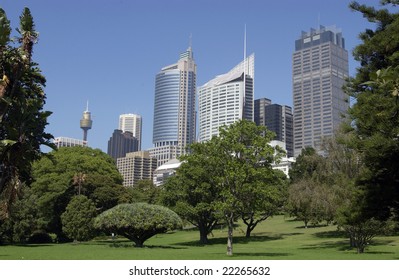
(138,221)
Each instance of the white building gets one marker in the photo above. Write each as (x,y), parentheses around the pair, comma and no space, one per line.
(69,142)
(225,99)
(285,162)
(165,171)
(132,123)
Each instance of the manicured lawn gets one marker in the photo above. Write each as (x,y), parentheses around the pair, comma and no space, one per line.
(278,238)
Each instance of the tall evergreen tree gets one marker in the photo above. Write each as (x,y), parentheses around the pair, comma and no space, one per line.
(375,113)
(22,118)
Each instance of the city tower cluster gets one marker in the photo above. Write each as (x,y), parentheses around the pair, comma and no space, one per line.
(319,70)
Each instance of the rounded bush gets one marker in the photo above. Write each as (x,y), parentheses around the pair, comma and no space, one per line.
(138,221)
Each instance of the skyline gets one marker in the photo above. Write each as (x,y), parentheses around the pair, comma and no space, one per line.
(109,52)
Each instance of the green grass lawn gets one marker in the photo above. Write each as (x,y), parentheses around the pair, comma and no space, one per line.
(278,238)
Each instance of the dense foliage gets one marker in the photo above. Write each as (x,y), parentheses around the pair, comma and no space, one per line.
(77,220)
(138,221)
(22,118)
(71,171)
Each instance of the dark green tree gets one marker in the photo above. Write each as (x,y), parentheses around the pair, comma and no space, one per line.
(138,221)
(78,218)
(22,118)
(55,182)
(146,191)
(375,112)
(193,191)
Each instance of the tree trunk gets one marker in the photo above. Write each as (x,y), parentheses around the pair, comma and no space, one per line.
(203,235)
(230,237)
(248,232)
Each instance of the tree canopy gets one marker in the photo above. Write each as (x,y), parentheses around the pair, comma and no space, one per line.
(375,112)
(72,170)
(138,221)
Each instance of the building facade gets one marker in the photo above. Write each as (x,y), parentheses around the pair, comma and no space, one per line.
(320,67)
(259,110)
(132,123)
(174,108)
(226,99)
(121,143)
(279,119)
(136,166)
(69,142)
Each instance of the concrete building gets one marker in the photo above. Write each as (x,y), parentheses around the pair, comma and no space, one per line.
(226,99)
(259,110)
(319,70)
(69,142)
(121,143)
(163,172)
(136,166)
(132,123)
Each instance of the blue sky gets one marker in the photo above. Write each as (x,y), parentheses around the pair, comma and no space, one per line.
(108,52)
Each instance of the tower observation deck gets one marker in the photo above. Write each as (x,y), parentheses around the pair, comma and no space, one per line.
(86,122)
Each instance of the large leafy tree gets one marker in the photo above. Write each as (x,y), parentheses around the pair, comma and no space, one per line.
(375,113)
(73,170)
(138,221)
(78,218)
(193,192)
(242,167)
(22,118)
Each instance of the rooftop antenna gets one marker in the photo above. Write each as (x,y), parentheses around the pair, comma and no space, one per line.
(190,41)
(245,66)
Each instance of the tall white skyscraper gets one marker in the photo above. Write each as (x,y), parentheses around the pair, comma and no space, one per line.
(132,123)
(174,108)
(226,99)
(320,67)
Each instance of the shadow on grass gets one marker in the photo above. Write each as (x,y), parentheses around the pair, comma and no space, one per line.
(130,244)
(32,245)
(338,245)
(331,234)
(271,255)
(237,240)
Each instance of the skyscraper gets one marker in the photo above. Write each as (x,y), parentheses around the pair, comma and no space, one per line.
(259,110)
(226,99)
(132,123)
(279,119)
(320,67)
(174,108)
(121,143)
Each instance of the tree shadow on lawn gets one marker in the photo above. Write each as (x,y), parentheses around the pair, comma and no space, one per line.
(32,245)
(130,244)
(331,234)
(339,245)
(237,240)
(271,255)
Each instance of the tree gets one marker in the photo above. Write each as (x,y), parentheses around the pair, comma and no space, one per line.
(242,154)
(146,191)
(374,114)
(263,198)
(193,191)
(54,182)
(77,220)
(22,119)
(138,221)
